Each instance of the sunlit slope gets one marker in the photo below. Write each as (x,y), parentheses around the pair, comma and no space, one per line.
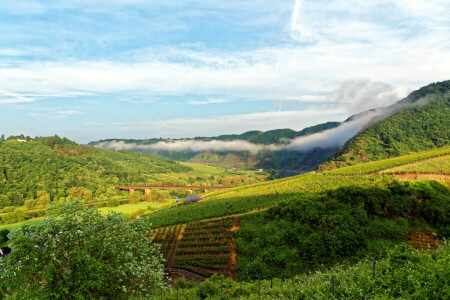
(261,196)
(396,163)
(439,165)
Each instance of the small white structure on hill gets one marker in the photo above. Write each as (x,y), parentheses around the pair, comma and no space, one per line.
(22,139)
(191,198)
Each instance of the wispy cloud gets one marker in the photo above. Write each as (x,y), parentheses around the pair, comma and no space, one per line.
(209,101)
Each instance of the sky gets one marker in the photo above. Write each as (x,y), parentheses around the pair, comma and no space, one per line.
(96,69)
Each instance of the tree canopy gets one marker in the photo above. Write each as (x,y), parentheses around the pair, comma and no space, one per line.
(79,253)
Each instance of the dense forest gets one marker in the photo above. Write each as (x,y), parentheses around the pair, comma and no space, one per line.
(424,125)
(48,168)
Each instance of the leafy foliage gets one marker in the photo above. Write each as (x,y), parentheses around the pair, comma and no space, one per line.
(312,230)
(51,168)
(405,273)
(79,253)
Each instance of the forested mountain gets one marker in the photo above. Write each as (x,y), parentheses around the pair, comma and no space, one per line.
(424,125)
(54,165)
(283,162)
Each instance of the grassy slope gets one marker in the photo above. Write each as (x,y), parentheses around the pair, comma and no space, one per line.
(418,128)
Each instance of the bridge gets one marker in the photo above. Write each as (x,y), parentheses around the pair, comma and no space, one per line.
(148,188)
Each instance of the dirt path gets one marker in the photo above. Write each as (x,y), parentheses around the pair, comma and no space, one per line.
(233,260)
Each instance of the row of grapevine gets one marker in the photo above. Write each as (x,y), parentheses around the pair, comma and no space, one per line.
(259,197)
(167,238)
(434,165)
(204,248)
(384,164)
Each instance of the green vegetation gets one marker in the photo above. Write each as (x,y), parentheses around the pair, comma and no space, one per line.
(32,222)
(424,125)
(385,164)
(204,248)
(46,169)
(129,209)
(80,253)
(405,273)
(310,231)
(434,165)
(42,171)
(258,196)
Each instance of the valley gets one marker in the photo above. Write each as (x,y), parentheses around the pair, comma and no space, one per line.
(384,194)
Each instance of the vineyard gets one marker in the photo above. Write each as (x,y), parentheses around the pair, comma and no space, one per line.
(384,164)
(259,196)
(439,165)
(203,248)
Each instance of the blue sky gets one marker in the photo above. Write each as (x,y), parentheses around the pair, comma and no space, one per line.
(94,69)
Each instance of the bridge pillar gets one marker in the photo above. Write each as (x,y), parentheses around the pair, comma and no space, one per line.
(131,191)
(148,191)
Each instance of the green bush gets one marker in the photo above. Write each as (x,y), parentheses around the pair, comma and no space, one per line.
(4,235)
(309,231)
(13,217)
(34,214)
(86,255)
(112,203)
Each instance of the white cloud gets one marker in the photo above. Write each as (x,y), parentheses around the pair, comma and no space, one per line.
(192,145)
(209,101)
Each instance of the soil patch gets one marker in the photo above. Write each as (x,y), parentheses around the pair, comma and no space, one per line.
(423,240)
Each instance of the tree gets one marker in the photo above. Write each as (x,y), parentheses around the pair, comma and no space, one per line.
(79,253)
(43,199)
(2,138)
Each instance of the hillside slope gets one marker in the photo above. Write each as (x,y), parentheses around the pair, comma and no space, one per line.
(55,165)
(302,223)
(424,125)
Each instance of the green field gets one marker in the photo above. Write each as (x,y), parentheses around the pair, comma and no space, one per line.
(36,221)
(130,208)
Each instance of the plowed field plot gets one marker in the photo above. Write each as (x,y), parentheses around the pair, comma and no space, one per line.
(204,248)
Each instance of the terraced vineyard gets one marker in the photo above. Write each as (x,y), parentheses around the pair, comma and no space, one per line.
(384,164)
(439,165)
(258,196)
(167,237)
(203,248)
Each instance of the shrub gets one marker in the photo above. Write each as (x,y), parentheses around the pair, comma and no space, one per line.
(112,203)
(86,255)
